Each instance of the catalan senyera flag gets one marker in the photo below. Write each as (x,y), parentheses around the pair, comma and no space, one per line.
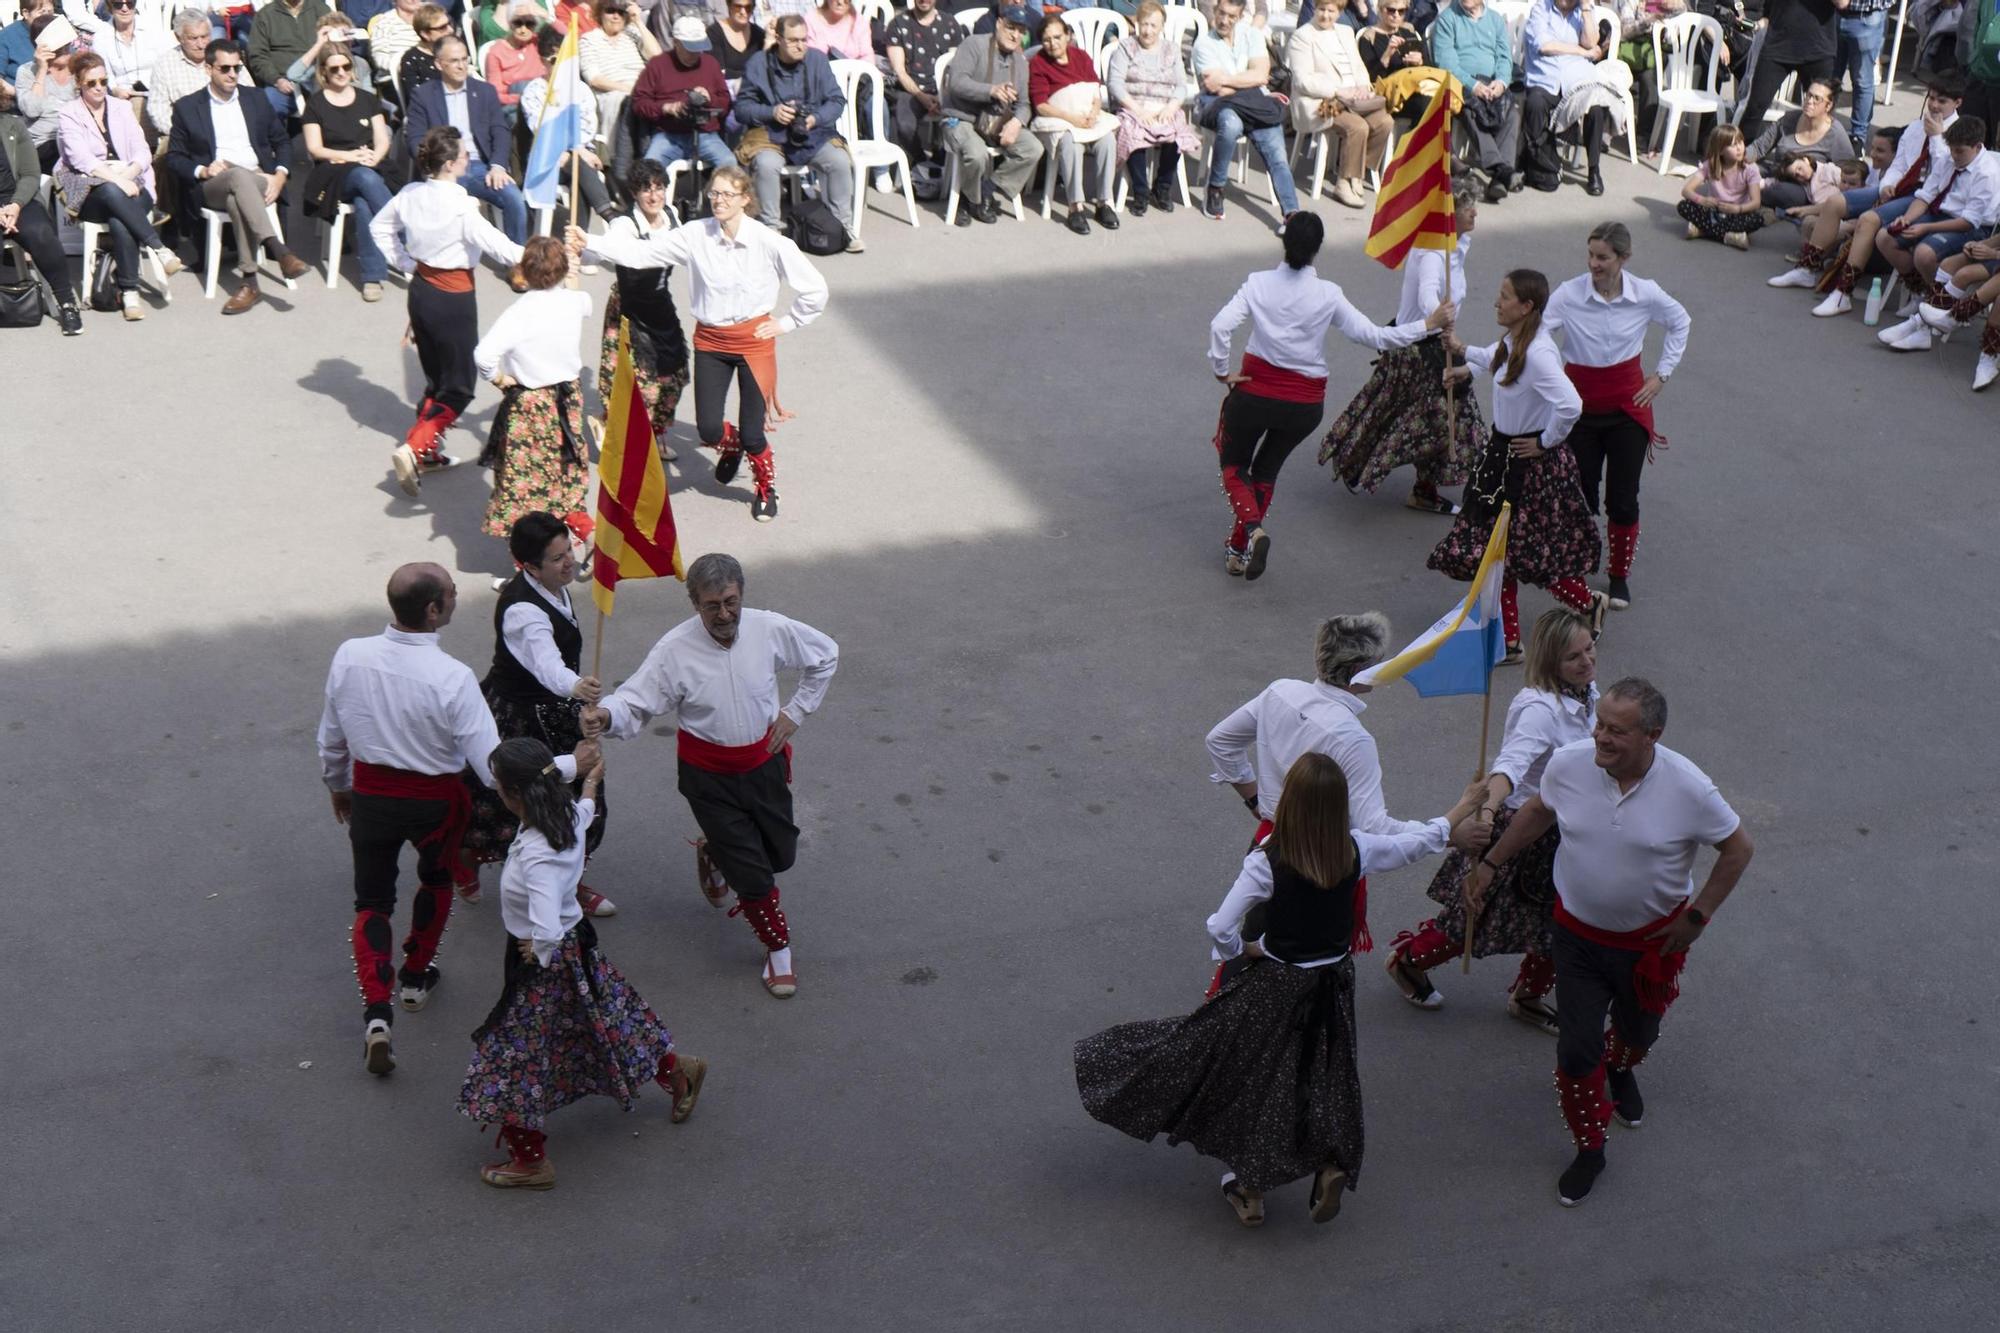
(1456,655)
(1413,209)
(635,518)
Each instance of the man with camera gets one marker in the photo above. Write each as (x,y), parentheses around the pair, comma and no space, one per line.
(681,98)
(986,107)
(791,102)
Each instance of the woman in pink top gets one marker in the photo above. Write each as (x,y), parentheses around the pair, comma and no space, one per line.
(515,61)
(837,30)
(105,172)
(1724,200)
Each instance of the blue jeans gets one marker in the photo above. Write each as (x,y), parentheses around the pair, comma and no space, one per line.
(1860,49)
(1269,143)
(369,195)
(281,103)
(670,146)
(513,205)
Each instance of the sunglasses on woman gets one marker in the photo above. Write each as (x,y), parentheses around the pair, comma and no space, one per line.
(95,83)
(342,68)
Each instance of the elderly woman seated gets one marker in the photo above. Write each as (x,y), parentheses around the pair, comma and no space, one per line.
(1149,88)
(1069,109)
(1333,94)
(613,53)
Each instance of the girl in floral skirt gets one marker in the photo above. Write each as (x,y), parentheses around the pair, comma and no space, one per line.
(567,1023)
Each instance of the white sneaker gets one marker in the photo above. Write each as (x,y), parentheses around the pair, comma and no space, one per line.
(166,261)
(1911,304)
(1918,339)
(1345,194)
(417,994)
(1938,318)
(1837,302)
(408,474)
(1986,371)
(378,1052)
(1895,333)
(1793,277)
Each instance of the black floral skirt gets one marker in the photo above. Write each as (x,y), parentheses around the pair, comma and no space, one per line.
(1520,903)
(556,725)
(1553,535)
(537,452)
(1399,418)
(1262,1077)
(661,376)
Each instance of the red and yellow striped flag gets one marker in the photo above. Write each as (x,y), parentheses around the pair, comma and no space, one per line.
(1413,209)
(635,519)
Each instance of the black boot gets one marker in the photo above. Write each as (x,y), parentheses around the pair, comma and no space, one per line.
(1579,1176)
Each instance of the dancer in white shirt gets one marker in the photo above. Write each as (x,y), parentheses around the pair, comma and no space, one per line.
(567,1023)
(1276,399)
(433,228)
(1553,539)
(718,675)
(402,722)
(735,265)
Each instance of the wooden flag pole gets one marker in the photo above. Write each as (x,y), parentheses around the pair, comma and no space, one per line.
(573,281)
(1451,386)
(597,652)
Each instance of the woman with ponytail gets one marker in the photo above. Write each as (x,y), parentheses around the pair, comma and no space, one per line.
(1263,1075)
(1278,396)
(1553,539)
(567,1023)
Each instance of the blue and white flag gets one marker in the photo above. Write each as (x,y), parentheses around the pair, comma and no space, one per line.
(560,128)
(1457,654)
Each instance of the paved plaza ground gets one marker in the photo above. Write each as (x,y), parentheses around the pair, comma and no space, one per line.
(1000,496)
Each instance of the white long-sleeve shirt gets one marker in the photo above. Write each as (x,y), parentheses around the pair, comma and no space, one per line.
(1260,742)
(728,696)
(1380,853)
(1911,146)
(1597,332)
(1423,281)
(532,640)
(538,339)
(1289,311)
(1971,192)
(1542,399)
(538,885)
(399,700)
(437,223)
(729,281)
(1540,722)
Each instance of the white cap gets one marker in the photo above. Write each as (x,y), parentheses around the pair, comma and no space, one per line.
(691,32)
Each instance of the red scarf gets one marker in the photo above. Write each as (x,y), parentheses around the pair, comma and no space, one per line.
(1656,977)
(400,783)
(446,279)
(1287,386)
(1606,389)
(733,760)
(760,354)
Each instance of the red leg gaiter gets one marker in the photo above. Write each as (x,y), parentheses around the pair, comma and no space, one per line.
(1989,341)
(1585,1108)
(1849,275)
(525,1146)
(1263,491)
(665,1075)
(765,919)
(1624,540)
(1243,499)
(374,966)
(1812,257)
(731,443)
(764,467)
(1620,1054)
(1536,978)
(429,912)
(1963,309)
(1510,609)
(1572,592)
(1430,947)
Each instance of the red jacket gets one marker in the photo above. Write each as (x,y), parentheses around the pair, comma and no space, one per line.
(664,81)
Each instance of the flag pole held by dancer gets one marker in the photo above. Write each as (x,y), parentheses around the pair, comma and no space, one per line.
(636,537)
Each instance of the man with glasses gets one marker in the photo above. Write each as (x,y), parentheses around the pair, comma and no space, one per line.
(234,154)
(988,80)
(178,72)
(283,31)
(681,99)
(471,107)
(791,103)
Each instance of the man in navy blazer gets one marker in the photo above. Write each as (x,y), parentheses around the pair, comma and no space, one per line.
(234,154)
(470,106)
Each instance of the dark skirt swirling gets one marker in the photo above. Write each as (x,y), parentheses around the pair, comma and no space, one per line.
(1262,1077)
(1400,418)
(1520,903)
(1553,534)
(556,725)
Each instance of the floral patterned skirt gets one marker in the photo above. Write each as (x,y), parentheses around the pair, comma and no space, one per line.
(1400,417)
(660,387)
(1262,1077)
(538,456)
(1553,535)
(559,1034)
(556,725)
(1520,903)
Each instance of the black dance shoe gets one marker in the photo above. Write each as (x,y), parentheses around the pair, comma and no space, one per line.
(1579,1176)
(726,464)
(1621,595)
(765,507)
(1626,1103)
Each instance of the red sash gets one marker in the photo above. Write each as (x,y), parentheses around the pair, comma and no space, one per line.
(1656,977)
(446,279)
(1606,389)
(401,784)
(1287,386)
(760,354)
(733,760)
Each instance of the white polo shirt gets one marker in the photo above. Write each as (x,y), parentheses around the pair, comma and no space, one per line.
(1625,859)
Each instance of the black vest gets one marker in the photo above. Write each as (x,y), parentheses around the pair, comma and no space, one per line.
(510,678)
(1304,923)
(645,299)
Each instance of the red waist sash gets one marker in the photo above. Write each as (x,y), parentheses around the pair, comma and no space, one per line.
(734,760)
(1656,977)
(446,279)
(760,354)
(1607,389)
(1287,386)
(402,784)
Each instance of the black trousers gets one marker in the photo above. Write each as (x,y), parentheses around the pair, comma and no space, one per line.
(1764,87)
(35,231)
(1151,170)
(1260,433)
(377,830)
(1593,981)
(712,374)
(747,819)
(446,325)
(1611,446)
(1539,159)
(129,222)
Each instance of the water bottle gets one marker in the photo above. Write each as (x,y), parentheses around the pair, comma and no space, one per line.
(1873,314)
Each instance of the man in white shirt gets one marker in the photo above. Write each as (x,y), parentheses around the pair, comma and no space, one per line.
(718,674)
(1632,815)
(1232,65)
(402,723)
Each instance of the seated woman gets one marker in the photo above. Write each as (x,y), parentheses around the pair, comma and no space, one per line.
(836,30)
(419,64)
(1149,88)
(105,172)
(1723,200)
(1333,94)
(331,32)
(347,138)
(590,176)
(1812,131)
(612,55)
(44,86)
(734,39)
(514,63)
(1390,45)
(495,20)
(1069,106)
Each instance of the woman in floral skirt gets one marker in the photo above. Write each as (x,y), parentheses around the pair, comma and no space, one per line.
(642,297)
(1263,1075)
(1557,707)
(567,1023)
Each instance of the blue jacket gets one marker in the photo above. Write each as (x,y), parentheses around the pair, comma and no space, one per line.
(191,140)
(16,47)
(482,108)
(768,81)
(1472,50)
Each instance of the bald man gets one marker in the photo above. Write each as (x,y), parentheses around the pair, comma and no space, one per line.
(403,721)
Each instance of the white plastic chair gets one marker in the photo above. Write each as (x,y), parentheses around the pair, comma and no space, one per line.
(95,234)
(967,17)
(1604,14)
(951,175)
(216,219)
(1683,90)
(876,11)
(336,233)
(872,152)
(1096,31)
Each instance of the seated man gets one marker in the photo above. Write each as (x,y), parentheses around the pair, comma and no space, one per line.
(916,38)
(471,107)
(283,31)
(1958,204)
(790,103)
(234,154)
(1561,53)
(1231,63)
(989,78)
(1471,42)
(23,218)
(680,100)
